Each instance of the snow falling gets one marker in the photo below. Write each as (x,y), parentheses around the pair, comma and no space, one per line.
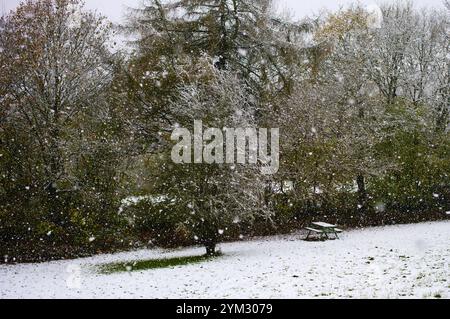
(109,188)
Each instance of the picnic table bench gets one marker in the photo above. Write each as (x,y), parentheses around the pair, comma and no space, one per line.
(323,229)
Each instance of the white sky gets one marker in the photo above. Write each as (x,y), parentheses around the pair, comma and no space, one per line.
(296,8)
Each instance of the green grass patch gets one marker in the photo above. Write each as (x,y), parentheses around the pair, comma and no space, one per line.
(153,264)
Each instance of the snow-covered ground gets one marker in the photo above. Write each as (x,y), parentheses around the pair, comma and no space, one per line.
(390,262)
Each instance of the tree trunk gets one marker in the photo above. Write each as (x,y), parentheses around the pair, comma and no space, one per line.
(210,249)
(223,44)
(362,192)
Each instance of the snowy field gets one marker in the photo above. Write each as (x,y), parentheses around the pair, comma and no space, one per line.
(408,261)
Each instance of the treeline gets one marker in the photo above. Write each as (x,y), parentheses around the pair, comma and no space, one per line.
(361,99)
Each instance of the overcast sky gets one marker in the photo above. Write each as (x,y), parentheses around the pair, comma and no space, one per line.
(297,8)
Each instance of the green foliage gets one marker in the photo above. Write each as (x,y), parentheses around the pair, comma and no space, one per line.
(419,179)
(159,221)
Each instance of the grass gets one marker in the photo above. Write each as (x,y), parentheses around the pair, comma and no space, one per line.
(153,264)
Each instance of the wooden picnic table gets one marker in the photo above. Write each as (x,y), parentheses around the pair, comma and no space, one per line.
(324,225)
(324,229)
